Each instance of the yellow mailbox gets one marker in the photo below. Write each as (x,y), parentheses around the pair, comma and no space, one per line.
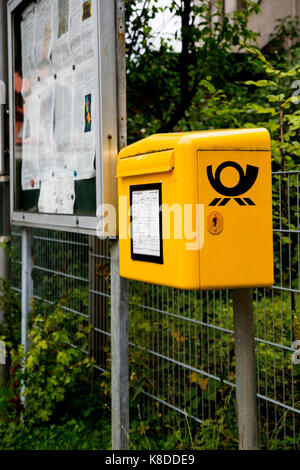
(195,209)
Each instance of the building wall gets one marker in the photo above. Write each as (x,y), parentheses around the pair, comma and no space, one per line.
(271,11)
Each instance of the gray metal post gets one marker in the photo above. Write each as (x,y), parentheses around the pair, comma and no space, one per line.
(27,282)
(246,393)
(4,178)
(4,82)
(119,286)
(119,355)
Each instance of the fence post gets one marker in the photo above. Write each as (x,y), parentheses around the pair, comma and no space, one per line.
(245,370)
(119,286)
(119,355)
(4,178)
(27,286)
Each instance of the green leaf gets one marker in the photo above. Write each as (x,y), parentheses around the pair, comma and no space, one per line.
(291,73)
(43,344)
(294,122)
(261,83)
(261,110)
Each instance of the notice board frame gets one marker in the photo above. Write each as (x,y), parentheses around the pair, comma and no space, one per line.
(105,123)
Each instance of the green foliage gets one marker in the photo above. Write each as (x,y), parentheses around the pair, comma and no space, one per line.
(210,45)
(63,404)
(273,105)
(205,349)
(72,435)
(10,306)
(213,108)
(54,366)
(277,112)
(285,32)
(221,433)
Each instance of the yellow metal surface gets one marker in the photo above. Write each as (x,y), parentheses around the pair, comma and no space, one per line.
(175,254)
(223,171)
(242,255)
(157,162)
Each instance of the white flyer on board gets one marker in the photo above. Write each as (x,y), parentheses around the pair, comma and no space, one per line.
(81,30)
(61,53)
(30,143)
(43,33)
(83,127)
(57,197)
(47,153)
(27,41)
(66,156)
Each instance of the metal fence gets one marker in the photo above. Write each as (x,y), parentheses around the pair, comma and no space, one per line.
(182,360)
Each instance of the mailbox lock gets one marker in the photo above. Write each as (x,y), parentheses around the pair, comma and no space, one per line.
(215,222)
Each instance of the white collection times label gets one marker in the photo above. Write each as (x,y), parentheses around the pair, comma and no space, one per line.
(145,222)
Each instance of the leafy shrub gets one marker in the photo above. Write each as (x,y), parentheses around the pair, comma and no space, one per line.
(54,367)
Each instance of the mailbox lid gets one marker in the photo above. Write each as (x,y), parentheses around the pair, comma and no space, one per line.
(221,139)
(155,162)
(228,139)
(153,143)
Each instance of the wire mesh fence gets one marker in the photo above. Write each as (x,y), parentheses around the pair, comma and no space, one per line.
(182,360)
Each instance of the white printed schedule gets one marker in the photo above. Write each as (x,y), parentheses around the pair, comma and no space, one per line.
(146,223)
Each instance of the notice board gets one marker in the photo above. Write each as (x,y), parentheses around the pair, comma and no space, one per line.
(63,111)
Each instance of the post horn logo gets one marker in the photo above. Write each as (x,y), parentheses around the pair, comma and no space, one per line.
(246,182)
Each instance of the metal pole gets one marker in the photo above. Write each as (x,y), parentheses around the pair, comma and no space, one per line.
(119,286)
(4,178)
(4,82)
(119,355)
(245,369)
(27,288)
(27,283)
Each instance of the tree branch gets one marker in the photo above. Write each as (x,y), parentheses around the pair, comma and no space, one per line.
(186,57)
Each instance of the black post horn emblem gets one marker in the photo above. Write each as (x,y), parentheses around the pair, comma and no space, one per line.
(246,182)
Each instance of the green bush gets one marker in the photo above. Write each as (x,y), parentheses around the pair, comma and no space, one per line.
(63,399)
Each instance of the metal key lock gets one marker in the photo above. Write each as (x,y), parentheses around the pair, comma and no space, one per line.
(215,222)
